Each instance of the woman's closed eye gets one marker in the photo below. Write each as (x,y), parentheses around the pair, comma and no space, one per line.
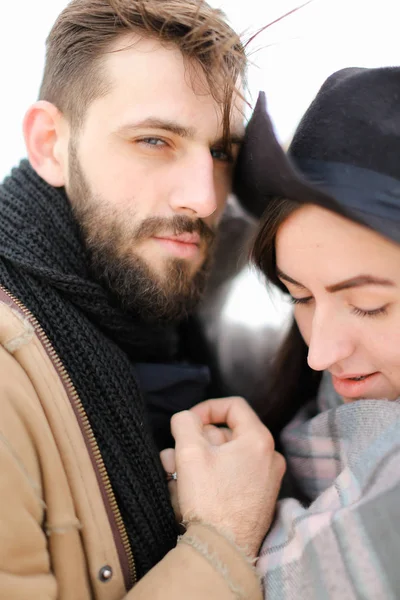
(375,312)
(360,312)
(306,300)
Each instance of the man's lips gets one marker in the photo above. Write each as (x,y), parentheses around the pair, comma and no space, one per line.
(183,238)
(183,246)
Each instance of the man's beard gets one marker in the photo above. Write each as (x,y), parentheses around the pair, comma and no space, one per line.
(109,239)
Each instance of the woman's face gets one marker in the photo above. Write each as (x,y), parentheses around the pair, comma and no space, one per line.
(344,280)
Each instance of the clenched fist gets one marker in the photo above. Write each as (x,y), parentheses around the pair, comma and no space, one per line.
(229,478)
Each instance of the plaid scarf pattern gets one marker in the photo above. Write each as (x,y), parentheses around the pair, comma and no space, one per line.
(344,541)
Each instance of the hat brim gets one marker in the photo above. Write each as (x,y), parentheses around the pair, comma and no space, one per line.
(264,171)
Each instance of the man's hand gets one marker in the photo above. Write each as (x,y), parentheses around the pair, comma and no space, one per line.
(229,478)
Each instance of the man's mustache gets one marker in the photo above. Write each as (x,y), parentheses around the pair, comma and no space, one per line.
(158,226)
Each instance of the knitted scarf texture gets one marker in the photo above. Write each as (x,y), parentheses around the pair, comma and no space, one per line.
(43,263)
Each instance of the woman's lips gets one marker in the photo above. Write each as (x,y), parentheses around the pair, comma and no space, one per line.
(353,387)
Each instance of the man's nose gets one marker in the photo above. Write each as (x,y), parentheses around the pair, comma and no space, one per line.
(194,192)
(331,341)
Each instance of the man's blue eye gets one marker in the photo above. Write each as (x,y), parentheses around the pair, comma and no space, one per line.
(219,154)
(153,141)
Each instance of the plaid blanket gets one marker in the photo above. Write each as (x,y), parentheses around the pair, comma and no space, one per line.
(344,541)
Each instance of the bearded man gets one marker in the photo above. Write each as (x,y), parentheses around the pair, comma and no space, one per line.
(107,233)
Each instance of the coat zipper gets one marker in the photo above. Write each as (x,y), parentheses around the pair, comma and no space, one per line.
(117,525)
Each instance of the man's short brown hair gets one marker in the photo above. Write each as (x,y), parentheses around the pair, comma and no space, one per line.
(87,29)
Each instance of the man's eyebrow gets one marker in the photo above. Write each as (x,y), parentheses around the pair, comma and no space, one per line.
(156,123)
(359,281)
(175,128)
(235,139)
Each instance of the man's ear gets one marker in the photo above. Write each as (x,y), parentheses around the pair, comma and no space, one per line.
(46,139)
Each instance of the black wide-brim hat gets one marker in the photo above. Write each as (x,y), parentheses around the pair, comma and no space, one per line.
(345,154)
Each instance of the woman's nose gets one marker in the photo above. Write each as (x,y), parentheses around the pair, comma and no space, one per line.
(331,341)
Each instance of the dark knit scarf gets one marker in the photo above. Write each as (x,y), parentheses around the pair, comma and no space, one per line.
(42,262)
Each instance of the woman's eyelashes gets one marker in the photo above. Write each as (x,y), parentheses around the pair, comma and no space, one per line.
(360,312)
(375,312)
(294,300)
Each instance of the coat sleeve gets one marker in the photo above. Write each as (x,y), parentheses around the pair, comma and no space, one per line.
(25,570)
(209,566)
(216,572)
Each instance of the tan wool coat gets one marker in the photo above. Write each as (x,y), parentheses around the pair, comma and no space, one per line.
(61,534)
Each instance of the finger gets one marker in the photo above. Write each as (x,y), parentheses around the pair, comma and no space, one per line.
(167,457)
(187,429)
(235,412)
(175,505)
(217,436)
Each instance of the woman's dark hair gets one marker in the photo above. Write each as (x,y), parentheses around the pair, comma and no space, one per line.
(291,383)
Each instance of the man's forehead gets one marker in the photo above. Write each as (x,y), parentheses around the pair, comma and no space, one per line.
(149,86)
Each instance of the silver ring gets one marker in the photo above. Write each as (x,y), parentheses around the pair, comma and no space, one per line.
(172,476)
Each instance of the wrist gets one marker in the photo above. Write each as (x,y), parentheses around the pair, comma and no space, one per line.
(247,551)
(230,561)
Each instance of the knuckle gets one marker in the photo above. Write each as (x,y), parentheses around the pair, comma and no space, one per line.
(239,400)
(180,418)
(190,454)
(280,464)
(265,443)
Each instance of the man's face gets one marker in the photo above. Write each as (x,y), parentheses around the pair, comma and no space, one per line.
(148,179)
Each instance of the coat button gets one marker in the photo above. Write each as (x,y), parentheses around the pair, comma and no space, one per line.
(105,574)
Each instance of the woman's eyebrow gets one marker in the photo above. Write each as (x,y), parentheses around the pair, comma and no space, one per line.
(285,277)
(358,281)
